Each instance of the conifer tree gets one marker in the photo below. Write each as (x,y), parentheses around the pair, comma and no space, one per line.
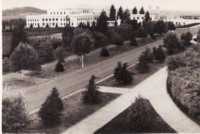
(102,25)
(120,13)
(91,95)
(50,111)
(24,57)
(112,12)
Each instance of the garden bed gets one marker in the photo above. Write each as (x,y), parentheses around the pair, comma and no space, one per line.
(74,111)
(137,77)
(158,125)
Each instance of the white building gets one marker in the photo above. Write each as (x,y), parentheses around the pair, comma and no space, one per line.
(177,19)
(61,18)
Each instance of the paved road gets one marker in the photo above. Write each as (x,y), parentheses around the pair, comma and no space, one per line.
(69,83)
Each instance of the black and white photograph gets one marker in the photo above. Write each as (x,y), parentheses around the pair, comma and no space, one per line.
(100,66)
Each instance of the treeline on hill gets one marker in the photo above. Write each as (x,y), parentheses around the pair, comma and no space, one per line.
(183,81)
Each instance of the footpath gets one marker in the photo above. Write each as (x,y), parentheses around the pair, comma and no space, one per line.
(154,89)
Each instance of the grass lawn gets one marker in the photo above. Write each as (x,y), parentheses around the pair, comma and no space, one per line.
(137,77)
(156,126)
(73,65)
(74,111)
(17,84)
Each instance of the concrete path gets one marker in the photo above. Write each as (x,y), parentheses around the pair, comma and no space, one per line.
(152,88)
(166,108)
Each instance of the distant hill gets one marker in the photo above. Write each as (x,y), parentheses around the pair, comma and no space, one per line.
(21,12)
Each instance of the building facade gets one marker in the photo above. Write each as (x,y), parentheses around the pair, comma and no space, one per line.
(178,20)
(61,18)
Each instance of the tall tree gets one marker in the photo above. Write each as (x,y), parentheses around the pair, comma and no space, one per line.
(14,117)
(24,57)
(186,38)
(171,26)
(112,13)
(172,43)
(67,36)
(126,15)
(120,13)
(160,27)
(142,10)
(102,25)
(82,44)
(147,17)
(18,35)
(134,11)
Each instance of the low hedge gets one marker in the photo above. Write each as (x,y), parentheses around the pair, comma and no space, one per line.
(183,82)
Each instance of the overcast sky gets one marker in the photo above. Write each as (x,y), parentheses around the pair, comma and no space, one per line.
(193,5)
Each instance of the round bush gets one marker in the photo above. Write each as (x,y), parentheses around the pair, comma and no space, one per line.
(104,52)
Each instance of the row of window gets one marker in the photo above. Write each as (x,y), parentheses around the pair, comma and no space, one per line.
(33,20)
(72,12)
(84,19)
(62,19)
(44,24)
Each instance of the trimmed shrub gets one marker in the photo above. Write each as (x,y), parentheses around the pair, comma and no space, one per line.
(121,74)
(117,40)
(59,67)
(133,42)
(104,52)
(143,66)
(50,111)
(141,33)
(186,38)
(14,117)
(160,55)
(140,114)
(91,95)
